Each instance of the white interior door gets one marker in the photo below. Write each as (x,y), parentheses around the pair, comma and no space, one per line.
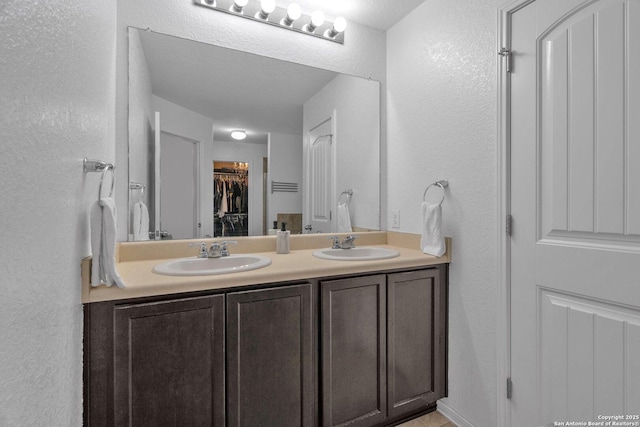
(575,201)
(178,193)
(320,194)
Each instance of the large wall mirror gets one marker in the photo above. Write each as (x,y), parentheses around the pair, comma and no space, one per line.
(310,154)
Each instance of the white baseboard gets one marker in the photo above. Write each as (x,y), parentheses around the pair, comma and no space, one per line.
(453,416)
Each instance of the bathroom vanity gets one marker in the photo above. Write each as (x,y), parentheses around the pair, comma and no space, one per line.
(302,342)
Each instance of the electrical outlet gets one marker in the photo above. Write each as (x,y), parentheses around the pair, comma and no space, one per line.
(395,218)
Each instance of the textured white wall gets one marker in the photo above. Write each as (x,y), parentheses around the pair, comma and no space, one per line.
(285,165)
(357,104)
(441,114)
(141,124)
(57,106)
(362,55)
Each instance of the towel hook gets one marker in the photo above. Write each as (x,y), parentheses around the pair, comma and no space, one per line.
(113,180)
(443,183)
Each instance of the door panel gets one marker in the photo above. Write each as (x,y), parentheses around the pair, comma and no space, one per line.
(416,340)
(575,249)
(269,357)
(353,351)
(321,170)
(169,363)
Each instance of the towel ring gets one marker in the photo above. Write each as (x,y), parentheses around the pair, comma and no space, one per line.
(137,186)
(348,193)
(113,180)
(442,184)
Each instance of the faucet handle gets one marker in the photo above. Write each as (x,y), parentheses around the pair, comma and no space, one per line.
(336,242)
(203,253)
(224,251)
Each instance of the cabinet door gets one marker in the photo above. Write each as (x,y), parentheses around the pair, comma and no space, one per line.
(270,369)
(353,328)
(169,363)
(417,339)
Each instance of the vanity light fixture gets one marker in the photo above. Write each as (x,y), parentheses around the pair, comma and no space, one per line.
(238,134)
(290,17)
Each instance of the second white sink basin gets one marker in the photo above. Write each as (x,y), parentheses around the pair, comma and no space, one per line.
(364,253)
(209,266)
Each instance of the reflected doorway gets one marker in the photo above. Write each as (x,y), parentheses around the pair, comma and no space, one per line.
(230,198)
(179,200)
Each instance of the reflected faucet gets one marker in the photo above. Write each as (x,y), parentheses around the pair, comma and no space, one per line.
(347,243)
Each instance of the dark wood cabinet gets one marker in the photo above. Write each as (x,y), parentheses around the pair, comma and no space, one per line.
(383,346)
(270,374)
(353,328)
(367,350)
(168,363)
(416,341)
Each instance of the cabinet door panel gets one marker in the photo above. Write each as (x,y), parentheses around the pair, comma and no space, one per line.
(169,363)
(353,351)
(270,357)
(416,340)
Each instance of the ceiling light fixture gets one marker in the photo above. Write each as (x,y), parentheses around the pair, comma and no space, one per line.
(290,17)
(238,134)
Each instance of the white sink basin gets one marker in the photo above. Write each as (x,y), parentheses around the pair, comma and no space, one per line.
(208,266)
(356,254)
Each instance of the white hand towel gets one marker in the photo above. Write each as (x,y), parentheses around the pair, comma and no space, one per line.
(140,222)
(98,275)
(344,220)
(103,244)
(432,241)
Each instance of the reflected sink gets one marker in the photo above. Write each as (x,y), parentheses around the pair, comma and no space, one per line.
(209,266)
(356,254)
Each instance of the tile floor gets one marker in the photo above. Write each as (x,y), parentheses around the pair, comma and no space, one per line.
(433,419)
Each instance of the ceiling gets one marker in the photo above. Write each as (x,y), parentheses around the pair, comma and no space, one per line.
(378,14)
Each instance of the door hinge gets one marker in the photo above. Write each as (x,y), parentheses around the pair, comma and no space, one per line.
(509,388)
(509,225)
(506,54)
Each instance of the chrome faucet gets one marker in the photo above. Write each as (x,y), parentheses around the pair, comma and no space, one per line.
(347,243)
(215,250)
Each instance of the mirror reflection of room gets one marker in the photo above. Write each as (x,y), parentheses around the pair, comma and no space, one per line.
(202,93)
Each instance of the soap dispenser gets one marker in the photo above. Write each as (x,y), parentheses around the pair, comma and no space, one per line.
(282,240)
(273,231)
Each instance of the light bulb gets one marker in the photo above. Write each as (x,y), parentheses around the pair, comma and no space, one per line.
(293,12)
(266,7)
(339,25)
(238,5)
(317,18)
